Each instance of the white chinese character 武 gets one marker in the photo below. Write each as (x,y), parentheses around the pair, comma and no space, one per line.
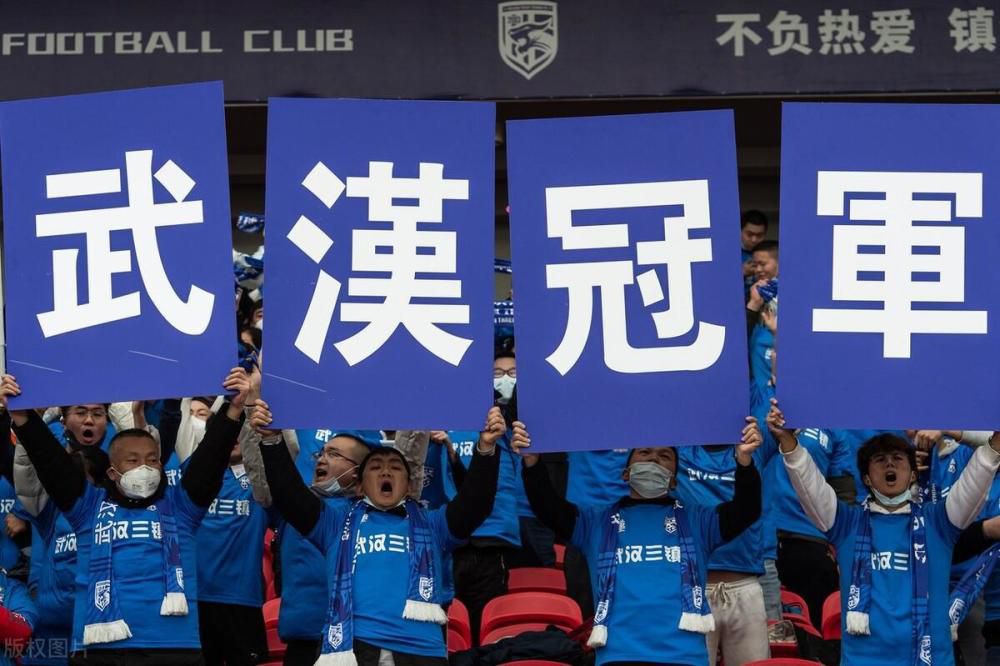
(789,34)
(894,266)
(893,28)
(840,33)
(359,545)
(972,29)
(618,555)
(738,31)
(677,252)
(142,217)
(400,251)
(102,533)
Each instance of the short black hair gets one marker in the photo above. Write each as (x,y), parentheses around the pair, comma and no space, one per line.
(754,217)
(769,246)
(885,443)
(65,408)
(382,452)
(131,432)
(628,461)
(504,353)
(208,400)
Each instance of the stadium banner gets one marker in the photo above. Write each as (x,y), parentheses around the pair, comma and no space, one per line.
(627,280)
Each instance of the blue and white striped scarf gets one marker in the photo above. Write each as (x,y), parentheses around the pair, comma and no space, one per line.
(968,589)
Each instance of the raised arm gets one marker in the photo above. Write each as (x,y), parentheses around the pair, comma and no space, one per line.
(64,481)
(548,506)
(743,510)
(818,499)
(291,497)
(968,494)
(474,501)
(207,466)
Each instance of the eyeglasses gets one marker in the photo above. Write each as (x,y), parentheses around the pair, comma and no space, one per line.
(500,372)
(95,414)
(332,455)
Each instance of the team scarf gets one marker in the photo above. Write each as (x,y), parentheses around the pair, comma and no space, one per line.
(104,621)
(423,599)
(968,589)
(695,614)
(859,596)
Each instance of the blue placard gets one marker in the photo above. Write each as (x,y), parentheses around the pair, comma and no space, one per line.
(380,253)
(889,233)
(118,247)
(625,239)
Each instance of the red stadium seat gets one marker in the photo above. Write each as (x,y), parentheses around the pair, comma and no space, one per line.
(458,621)
(536,579)
(802,621)
(782,661)
(275,646)
(831,617)
(456,641)
(271,610)
(509,630)
(560,555)
(790,600)
(784,650)
(524,607)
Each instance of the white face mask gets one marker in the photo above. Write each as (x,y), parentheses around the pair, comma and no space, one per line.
(139,482)
(198,428)
(259,324)
(649,480)
(332,487)
(898,500)
(505,387)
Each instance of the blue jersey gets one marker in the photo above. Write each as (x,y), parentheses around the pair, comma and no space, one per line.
(51,584)
(991,509)
(647,582)
(173,471)
(137,556)
(15,598)
(502,523)
(707,478)
(231,544)
(304,598)
(437,476)
(9,552)
(946,469)
(784,505)
(892,584)
(761,351)
(595,477)
(760,404)
(382,575)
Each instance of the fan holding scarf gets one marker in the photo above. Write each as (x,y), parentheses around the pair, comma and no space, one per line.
(894,551)
(384,552)
(649,552)
(136,579)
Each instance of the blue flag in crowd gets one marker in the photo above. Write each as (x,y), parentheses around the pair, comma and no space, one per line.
(117,245)
(625,236)
(380,252)
(888,266)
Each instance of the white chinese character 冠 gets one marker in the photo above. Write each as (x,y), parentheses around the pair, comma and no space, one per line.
(400,251)
(738,31)
(893,28)
(677,252)
(840,33)
(142,217)
(789,34)
(972,29)
(895,265)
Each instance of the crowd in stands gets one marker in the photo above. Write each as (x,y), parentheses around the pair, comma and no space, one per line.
(189,531)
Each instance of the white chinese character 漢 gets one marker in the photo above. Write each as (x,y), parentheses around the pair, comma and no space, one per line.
(897,262)
(677,252)
(893,28)
(738,31)
(789,34)
(840,33)
(142,217)
(399,251)
(972,29)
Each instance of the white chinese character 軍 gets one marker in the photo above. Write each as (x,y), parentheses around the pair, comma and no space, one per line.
(142,217)
(401,251)
(840,33)
(894,28)
(972,29)
(789,34)
(738,31)
(677,252)
(882,247)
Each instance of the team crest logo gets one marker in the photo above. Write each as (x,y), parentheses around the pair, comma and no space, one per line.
(952,467)
(955,612)
(919,553)
(696,596)
(925,650)
(179,574)
(244,482)
(426,588)
(528,36)
(102,594)
(670,524)
(602,612)
(854,597)
(335,635)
